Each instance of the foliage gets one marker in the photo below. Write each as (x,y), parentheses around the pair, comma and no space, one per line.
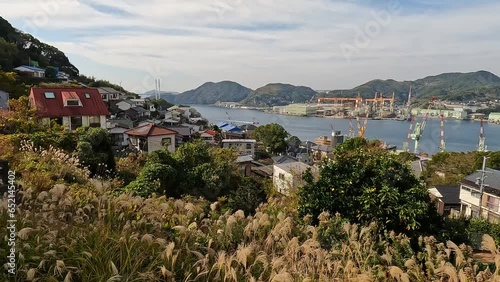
(195,169)
(7,52)
(50,72)
(272,136)
(94,150)
(9,82)
(456,166)
(210,93)
(20,119)
(129,167)
(365,184)
(247,196)
(277,94)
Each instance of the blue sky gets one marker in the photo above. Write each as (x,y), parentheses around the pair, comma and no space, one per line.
(324,44)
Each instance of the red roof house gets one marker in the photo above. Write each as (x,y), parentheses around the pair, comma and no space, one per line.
(151,137)
(71,107)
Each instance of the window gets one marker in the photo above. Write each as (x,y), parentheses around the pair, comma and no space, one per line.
(72,102)
(50,95)
(76,122)
(249,146)
(493,203)
(94,121)
(117,138)
(87,95)
(166,142)
(281,176)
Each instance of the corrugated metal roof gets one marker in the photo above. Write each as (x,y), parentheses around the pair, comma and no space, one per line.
(93,106)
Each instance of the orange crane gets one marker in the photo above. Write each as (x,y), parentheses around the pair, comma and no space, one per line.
(362,129)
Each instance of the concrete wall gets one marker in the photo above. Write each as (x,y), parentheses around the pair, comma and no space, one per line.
(154,143)
(241,147)
(282,180)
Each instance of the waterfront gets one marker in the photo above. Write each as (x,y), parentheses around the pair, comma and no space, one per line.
(459,135)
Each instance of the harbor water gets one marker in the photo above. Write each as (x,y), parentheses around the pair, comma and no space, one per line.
(460,135)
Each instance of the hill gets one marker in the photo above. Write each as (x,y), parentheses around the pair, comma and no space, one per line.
(481,85)
(276,94)
(19,48)
(210,93)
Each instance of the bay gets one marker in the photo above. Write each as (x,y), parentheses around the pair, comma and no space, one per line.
(460,135)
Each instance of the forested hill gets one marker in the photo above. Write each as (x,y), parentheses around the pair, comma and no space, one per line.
(18,48)
(480,85)
(210,93)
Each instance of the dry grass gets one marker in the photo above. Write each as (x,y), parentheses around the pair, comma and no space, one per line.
(80,232)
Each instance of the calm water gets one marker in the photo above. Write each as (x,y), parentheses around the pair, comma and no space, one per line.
(459,135)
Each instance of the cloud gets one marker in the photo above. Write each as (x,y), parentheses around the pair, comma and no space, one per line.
(259,41)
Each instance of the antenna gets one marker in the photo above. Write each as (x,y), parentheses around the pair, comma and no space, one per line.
(408,103)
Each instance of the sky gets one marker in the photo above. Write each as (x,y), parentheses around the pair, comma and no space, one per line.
(323,44)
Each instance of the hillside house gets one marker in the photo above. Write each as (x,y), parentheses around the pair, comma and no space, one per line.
(70,107)
(118,136)
(151,137)
(208,136)
(446,198)
(244,147)
(111,94)
(288,176)
(470,196)
(4,100)
(30,71)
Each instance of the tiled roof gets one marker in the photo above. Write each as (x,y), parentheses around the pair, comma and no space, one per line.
(450,194)
(211,132)
(46,107)
(150,129)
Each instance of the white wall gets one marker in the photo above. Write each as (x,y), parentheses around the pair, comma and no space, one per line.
(154,143)
(283,185)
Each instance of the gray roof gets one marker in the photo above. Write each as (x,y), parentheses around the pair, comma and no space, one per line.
(451,194)
(244,159)
(284,159)
(108,90)
(184,131)
(139,109)
(297,167)
(323,148)
(492,180)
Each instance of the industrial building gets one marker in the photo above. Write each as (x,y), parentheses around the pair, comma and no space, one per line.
(297,109)
(494,117)
(435,113)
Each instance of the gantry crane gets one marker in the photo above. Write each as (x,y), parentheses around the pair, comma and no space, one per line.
(419,128)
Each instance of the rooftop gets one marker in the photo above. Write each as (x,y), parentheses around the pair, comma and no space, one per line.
(239,141)
(150,129)
(296,167)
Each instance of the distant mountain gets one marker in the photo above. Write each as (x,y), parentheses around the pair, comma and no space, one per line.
(210,93)
(481,85)
(166,95)
(19,48)
(276,94)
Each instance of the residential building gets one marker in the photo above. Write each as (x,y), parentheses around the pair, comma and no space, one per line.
(151,137)
(110,94)
(125,105)
(242,146)
(183,133)
(245,165)
(208,136)
(70,107)
(288,176)
(470,195)
(31,71)
(118,136)
(446,198)
(4,100)
(120,121)
(138,102)
(321,152)
(136,113)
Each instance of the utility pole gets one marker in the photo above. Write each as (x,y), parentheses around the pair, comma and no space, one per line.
(480,181)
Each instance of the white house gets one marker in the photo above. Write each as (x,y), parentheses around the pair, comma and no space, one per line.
(70,107)
(288,176)
(470,196)
(243,146)
(110,94)
(118,136)
(208,136)
(31,71)
(138,102)
(151,137)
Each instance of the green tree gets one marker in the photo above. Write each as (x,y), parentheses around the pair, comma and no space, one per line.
(365,184)
(94,150)
(10,84)
(248,196)
(50,72)
(272,136)
(8,52)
